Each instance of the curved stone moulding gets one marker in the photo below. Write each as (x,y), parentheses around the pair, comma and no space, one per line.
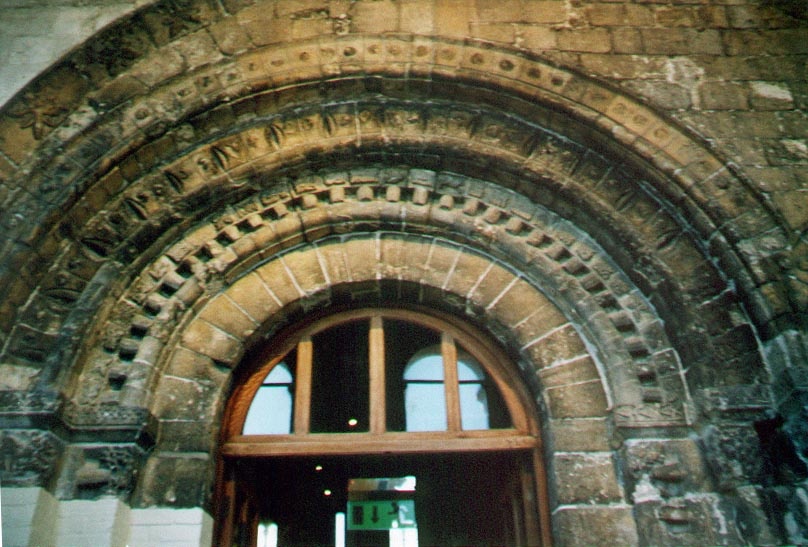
(549,168)
(203,278)
(144,216)
(197,177)
(607,162)
(234,127)
(691,171)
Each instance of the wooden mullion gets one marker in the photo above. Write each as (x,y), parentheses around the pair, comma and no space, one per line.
(517,506)
(226,534)
(542,500)
(378,408)
(305,355)
(530,504)
(450,382)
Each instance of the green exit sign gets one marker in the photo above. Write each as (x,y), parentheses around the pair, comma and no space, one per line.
(381,514)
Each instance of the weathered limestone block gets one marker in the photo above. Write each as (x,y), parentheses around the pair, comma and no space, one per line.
(542,320)
(569,372)
(734,402)
(518,302)
(586,399)
(491,286)
(754,517)
(185,436)
(252,295)
(438,266)
(16,377)
(306,270)
(588,525)
(703,519)
(733,455)
(173,479)
(103,469)
(560,344)
(185,363)
(466,273)
(790,504)
(29,457)
(579,435)
(209,340)
(672,467)
(585,478)
(188,399)
(360,256)
(227,315)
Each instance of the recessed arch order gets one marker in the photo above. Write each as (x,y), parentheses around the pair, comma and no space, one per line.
(169,225)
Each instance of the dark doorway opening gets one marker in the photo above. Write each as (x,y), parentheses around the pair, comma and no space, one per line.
(469,499)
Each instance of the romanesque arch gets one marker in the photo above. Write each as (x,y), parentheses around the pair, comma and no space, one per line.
(177,203)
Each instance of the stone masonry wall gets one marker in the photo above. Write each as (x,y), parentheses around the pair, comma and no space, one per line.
(732,73)
(35,33)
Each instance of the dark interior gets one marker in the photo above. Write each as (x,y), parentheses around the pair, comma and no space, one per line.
(460,499)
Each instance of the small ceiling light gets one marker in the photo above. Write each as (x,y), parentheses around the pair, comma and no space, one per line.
(318,467)
(352,422)
(326,492)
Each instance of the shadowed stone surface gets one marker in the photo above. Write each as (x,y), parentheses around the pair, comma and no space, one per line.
(614,190)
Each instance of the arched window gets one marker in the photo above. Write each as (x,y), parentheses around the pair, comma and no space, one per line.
(425,377)
(425,407)
(445,387)
(365,396)
(271,409)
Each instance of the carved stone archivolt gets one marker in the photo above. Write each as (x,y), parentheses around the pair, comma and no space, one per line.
(568,266)
(183,196)
(168,227)
(703,179)
(165,195)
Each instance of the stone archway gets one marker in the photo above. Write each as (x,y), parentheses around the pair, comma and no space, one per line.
(394,269)
(215,293)
(152,189)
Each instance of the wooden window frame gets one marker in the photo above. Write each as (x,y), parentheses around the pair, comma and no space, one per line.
(523,436)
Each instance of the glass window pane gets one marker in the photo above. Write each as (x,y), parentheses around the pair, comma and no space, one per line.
(404,343)
(473,400)
(425,407)
(468,369)
(415,394)
(473,406)
(340,391)
(426,365)
(271,409)
(279,375)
